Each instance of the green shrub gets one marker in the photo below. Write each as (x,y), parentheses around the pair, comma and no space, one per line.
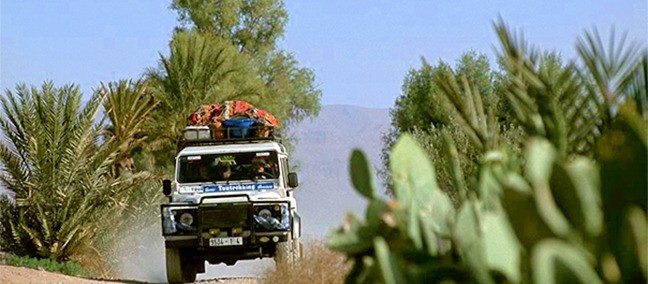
(71,268)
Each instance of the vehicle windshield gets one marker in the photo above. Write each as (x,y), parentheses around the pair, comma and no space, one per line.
(228,167)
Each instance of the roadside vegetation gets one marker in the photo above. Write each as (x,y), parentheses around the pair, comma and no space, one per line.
(318,265)
(71,268)
(533,173)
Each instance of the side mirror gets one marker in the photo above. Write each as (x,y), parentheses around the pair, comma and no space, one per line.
(293,181)
(166,187)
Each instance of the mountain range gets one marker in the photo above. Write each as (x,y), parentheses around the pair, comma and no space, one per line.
(322,152)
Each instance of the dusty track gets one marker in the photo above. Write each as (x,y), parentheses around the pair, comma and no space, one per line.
(21,275)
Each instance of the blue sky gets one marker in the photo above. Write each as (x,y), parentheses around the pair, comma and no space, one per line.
(359,50)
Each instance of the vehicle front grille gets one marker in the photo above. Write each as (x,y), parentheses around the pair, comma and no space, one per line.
(224,216)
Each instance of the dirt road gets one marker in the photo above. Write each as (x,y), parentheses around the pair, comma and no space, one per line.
(21,275)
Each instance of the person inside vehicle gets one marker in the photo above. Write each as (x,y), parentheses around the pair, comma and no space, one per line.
(226,173)
(261,169)
(204,173)
(218,169)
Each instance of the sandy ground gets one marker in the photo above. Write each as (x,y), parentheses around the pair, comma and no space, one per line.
(22,275)
(11,274)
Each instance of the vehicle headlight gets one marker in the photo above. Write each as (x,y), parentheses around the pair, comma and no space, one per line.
(186,219)
(179,220)
(265,213)
(273,217)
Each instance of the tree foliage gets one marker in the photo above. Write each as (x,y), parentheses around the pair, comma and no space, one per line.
(60,172)
(422,110)
(227,50)
(420,106)
(253,28)
(200,69)
(128,107)
(570,208)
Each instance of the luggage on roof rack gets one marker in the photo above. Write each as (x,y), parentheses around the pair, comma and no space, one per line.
(205,135)
(229,122)
(215,115)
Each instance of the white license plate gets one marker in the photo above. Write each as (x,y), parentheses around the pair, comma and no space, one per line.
(221,242)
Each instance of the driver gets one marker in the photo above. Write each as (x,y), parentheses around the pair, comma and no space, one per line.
(204,172)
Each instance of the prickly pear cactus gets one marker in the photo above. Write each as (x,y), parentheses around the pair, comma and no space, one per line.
(417,236)
(624,187)
(545,222)
(404,240)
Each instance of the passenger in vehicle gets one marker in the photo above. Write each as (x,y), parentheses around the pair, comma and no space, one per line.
(261,169)
(226,173)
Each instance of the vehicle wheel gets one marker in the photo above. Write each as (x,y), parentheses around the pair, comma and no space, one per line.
(177,270)
(282,253)
(188,272)
(289,252)
(297,252)
(200,266)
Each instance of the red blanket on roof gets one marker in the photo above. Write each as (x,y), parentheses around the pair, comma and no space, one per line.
(213,115)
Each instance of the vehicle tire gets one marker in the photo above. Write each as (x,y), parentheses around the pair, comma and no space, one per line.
(200,266)
(283,253)
(289,252)
(188,272)
(178,271)
(298,250)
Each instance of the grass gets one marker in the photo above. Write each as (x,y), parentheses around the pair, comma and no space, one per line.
(318,265)
(71,268)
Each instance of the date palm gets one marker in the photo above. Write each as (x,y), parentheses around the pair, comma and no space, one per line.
(59,169)
(573,105)
(128,108)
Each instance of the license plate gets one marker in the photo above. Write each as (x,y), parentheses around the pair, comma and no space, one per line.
(221,242)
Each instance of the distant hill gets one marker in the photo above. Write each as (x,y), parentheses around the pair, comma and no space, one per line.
(322,152)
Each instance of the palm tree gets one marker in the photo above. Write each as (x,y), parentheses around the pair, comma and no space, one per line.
(128,108)
(573,105)
(59,168)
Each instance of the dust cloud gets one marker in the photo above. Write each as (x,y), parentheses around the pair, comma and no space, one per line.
(141,257)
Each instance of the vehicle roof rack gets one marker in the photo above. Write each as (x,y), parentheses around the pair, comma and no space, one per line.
(205,135)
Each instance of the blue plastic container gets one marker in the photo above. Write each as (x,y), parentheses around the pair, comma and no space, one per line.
(239,127)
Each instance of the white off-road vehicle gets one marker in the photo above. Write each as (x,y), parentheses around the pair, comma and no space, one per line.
(231,199)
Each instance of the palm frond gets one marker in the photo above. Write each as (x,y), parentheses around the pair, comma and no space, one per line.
(464,102)
(54,160)
(611,69)
(551,99)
